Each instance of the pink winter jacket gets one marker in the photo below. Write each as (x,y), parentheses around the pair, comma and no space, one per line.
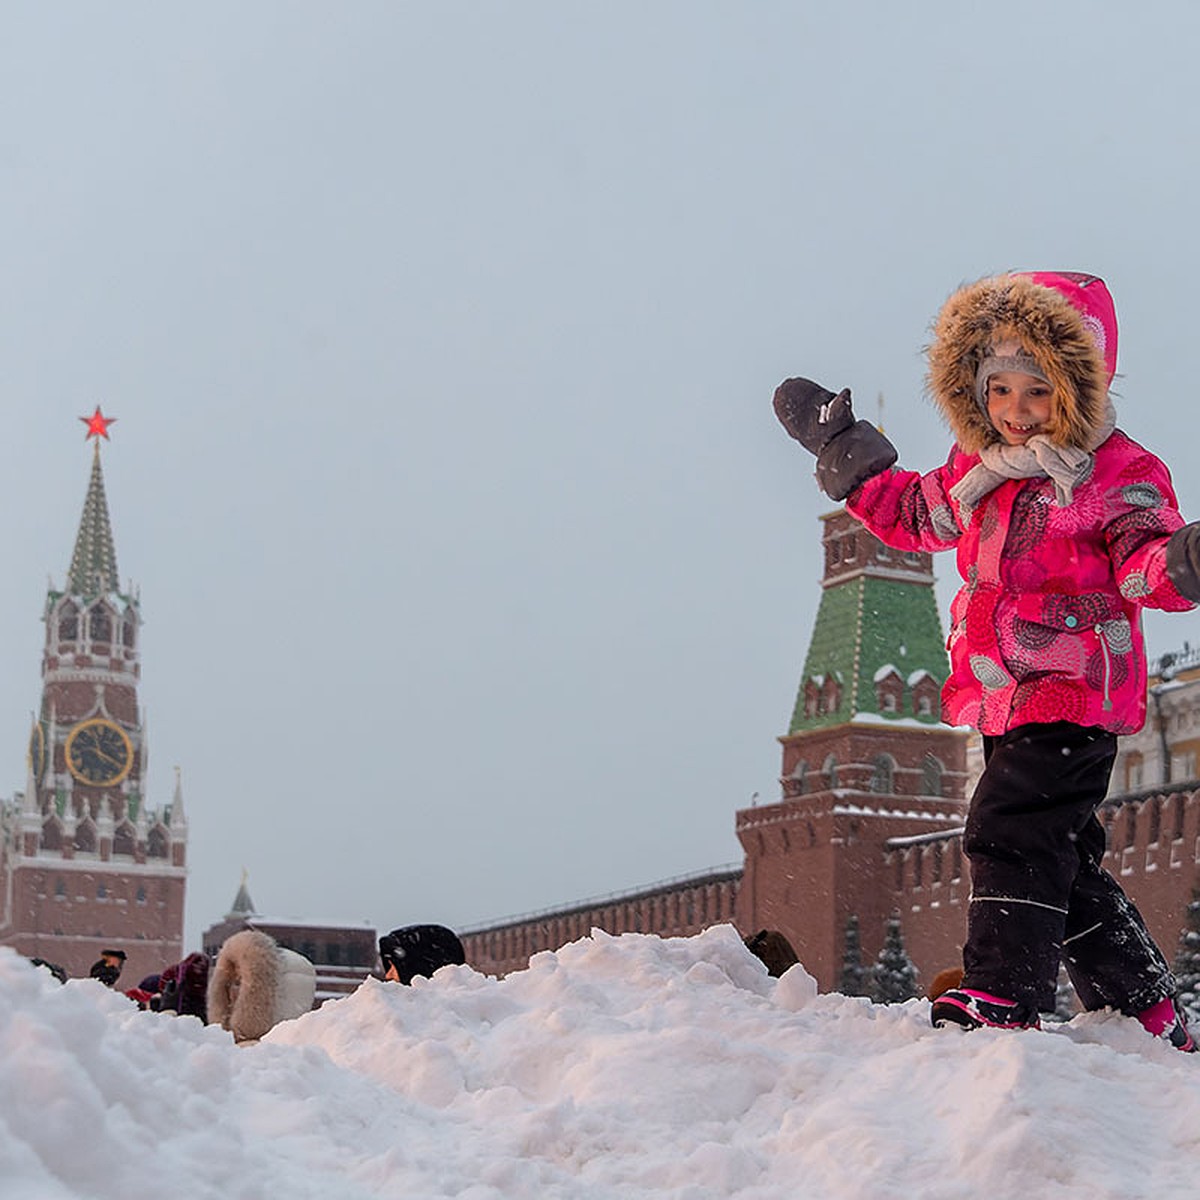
(1047,625)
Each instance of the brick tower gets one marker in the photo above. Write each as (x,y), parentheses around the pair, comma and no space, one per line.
(866,759)
(84,864)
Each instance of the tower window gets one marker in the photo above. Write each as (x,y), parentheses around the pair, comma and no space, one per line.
(100,624)
(123,839)
(68,623)
(85,838)
(830,771)
(931,776)
(882,774)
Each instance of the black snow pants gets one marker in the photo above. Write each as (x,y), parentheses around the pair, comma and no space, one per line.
(1038,891)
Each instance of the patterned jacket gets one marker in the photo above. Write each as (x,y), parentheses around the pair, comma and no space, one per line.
(1046,626)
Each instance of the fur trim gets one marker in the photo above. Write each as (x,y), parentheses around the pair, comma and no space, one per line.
(1047,326)
(244,986)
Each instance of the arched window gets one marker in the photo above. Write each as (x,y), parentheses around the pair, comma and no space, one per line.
(883,767)
(68,622)
(129,631)
(157,842)
(1134,768)
(124,839)
(52,834)
(932,773)
(800,775)
(100,623)
(830,771)
(85,837)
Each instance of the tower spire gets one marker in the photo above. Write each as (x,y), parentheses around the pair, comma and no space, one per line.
(93,569)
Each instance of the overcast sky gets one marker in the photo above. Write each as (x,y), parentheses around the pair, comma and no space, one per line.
(477,575)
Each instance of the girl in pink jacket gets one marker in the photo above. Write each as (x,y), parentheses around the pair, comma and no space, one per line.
(1063,528)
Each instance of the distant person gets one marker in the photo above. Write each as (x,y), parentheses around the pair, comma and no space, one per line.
(183,987)
(146,992)
(414,950)
(773,950)
(107,968)
(256,983)
(1064,529)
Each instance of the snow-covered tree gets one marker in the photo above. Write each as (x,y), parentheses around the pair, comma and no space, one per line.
(894,977)
(1187,960)
(855,979)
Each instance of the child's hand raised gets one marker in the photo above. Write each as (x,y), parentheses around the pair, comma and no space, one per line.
(848,452)
(811,414)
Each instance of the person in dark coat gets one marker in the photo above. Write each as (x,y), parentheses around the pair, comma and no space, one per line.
(107,968)
(414,950)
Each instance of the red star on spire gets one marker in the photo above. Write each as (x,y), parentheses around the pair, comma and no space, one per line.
(97,424)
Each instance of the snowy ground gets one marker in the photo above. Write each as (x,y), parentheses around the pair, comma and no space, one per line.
(615,1068)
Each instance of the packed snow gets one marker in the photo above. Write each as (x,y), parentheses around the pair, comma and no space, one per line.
(615,1068)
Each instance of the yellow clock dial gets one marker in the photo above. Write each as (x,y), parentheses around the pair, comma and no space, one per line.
(99,752)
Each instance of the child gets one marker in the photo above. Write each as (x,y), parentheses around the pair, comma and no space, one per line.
(1063,527)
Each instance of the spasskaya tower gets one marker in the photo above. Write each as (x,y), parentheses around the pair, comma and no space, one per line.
(85,864)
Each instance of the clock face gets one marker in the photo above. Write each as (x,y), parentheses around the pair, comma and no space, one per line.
(37,752)
(99,752)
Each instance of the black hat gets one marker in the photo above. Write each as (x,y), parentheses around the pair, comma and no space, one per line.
(420,950)
(113,954)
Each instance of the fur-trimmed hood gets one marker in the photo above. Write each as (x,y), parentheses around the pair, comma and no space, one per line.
(1065,321)
(256,984)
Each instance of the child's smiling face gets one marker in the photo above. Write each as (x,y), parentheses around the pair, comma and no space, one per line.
(1019,405)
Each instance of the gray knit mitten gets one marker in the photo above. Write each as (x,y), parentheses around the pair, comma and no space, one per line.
(848,452)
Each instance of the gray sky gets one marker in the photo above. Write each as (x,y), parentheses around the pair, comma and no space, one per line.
(477,574)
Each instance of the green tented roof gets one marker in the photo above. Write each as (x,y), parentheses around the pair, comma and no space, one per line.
(865,624)
(93,570)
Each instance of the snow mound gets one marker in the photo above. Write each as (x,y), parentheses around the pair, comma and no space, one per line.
(616,1067)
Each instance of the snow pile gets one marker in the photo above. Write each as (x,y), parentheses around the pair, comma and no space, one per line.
(615,1068)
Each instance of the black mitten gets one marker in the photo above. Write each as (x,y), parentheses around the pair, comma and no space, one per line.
(1183,561)
(848,452)
(812,414)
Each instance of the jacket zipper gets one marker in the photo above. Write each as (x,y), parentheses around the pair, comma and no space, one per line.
(1107,666)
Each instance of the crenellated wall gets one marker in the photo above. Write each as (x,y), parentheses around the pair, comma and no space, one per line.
(673,908)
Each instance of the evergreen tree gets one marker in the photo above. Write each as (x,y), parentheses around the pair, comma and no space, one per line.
(1187,960)
(855,979)
(894,977)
